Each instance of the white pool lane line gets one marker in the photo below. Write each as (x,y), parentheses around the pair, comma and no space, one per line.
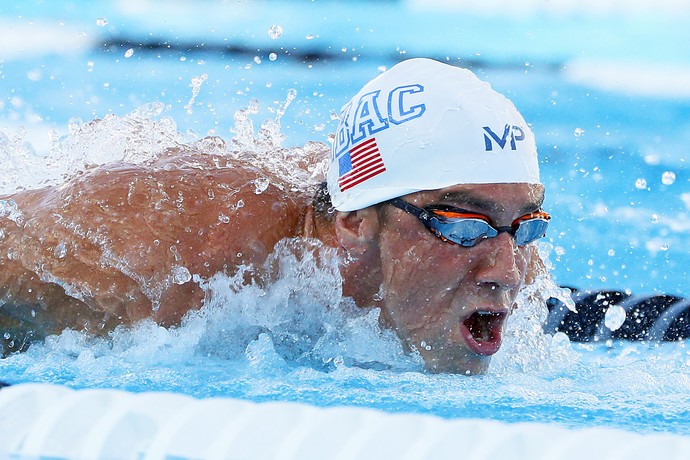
(42,420)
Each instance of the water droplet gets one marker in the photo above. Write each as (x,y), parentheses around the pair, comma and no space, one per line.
(7,335)
(60,250)
(261,184)
(74,124)
(272,57)
(129,53)
(641,183)
(253,106)
(10,210)
(560,341)
(309,37)
(379,296)
(223,218)
(181,275)
(240,204)
(101,22)
(257,59)
(655,218)
(275,31)
(614,317)
(611,252)
(668,177)
(579,132)
(664,246)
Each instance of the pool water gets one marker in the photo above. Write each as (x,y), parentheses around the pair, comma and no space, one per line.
(610,110)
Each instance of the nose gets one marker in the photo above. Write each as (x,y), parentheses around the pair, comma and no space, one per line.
(499,266)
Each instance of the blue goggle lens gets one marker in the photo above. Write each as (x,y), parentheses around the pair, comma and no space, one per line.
(468,232)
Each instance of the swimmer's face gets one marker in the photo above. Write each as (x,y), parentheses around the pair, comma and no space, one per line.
(447,301)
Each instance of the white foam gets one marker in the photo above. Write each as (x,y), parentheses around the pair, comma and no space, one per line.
(24,39)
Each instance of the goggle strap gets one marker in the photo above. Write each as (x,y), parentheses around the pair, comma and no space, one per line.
(411,209)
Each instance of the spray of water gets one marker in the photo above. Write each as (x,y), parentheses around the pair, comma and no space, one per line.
(526,347)
(296,314)
(133,138)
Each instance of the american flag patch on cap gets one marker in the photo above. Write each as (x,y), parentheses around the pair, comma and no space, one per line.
(360,163)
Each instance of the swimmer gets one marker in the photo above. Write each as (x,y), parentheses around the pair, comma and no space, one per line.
(432,200)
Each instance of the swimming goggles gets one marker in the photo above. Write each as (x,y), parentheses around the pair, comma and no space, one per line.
(467,228)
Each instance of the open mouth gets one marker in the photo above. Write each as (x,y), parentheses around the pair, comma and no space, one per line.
(482,331)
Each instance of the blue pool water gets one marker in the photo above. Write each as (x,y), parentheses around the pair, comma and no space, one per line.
(606,94)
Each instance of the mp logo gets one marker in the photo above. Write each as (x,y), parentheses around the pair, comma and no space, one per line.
(511,133)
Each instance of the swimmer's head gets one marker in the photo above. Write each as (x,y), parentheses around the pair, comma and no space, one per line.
(425,125)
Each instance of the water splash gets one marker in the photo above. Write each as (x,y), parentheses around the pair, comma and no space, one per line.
(301,167)
(196,87)
(19,161)
(526,347)
(9,210)
(136,137)
(294,312)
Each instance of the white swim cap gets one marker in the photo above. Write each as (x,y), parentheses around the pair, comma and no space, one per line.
(425,125)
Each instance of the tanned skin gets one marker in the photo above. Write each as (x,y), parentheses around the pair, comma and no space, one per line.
(101,250)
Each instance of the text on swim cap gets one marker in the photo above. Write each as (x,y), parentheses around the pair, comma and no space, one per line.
(374,112)
(514,133)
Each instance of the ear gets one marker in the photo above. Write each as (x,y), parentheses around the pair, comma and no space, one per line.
(357,230)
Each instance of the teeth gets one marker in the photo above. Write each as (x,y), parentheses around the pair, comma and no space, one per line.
(487,313)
